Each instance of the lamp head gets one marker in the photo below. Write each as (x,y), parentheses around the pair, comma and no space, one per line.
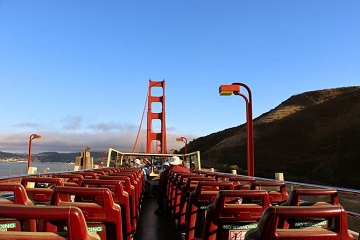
(227,90)
(33,136)
(37,136)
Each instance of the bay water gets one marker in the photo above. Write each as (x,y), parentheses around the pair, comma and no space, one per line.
(19,168)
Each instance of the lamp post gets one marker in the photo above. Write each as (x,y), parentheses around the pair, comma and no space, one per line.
(102,156)
(234,88)
(183,139)
(32,136)
(86,149)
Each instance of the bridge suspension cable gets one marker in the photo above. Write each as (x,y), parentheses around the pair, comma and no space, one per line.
(142,118)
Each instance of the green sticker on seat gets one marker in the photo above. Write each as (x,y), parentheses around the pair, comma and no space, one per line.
(240,227)
(7,225)
(310,224)
(95,229)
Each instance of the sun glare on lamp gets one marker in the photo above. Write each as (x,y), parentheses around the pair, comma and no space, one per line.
(227,90)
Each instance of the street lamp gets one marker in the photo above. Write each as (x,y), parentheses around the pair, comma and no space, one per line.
(102,156)
(183,139)
(32,136)
(234,88)
(86,149)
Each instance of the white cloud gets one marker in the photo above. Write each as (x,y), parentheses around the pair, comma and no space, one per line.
(122,140)
(105,127)
(72,122)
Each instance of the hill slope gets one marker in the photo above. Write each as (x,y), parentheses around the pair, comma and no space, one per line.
(311,137)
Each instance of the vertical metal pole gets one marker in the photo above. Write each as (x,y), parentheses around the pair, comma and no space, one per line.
(84,158)
(29,154)
(250,126)
(249,129)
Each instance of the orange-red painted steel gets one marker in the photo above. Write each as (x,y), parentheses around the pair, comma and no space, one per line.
(160,138)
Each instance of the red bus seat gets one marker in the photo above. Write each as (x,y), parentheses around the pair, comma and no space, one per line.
(106,170)
(292,222)
(204,194)
(204,173)
(118,169)
(98,171)
(241,182)
(228,216)
(169,183)
(62,223)
(200,172)
(136,183)
(312,197)
(277,190)
(172,178)
(88,174)
(130,189)
(177,184)
(19,195)
(120,197)
(69,179)
(187,188)
(139,175)
(105,217)
(223,176)
(42,195)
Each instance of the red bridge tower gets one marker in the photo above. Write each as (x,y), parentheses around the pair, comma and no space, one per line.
(157,138)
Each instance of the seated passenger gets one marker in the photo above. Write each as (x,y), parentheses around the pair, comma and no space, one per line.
(147,182)
(175,166)
(166,166)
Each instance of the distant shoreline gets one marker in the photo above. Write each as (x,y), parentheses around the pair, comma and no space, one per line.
(20,167)
(24,161)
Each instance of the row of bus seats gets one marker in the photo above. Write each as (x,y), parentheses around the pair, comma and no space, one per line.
(65,222)
(207,205)
(107,201)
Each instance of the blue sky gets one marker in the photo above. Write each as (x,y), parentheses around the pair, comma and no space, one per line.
(77,72)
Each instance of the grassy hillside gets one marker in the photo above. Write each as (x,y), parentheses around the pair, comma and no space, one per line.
(311,137)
